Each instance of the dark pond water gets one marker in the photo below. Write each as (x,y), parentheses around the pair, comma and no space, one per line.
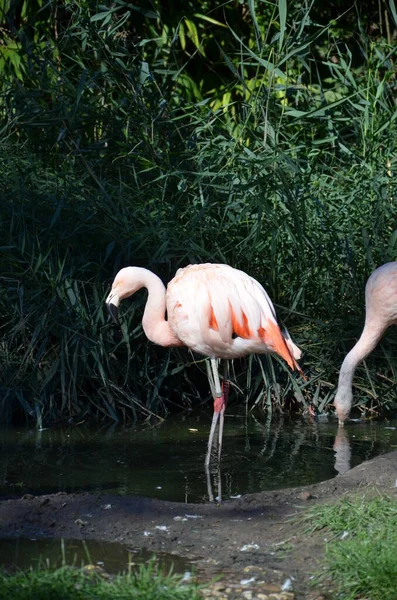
(113,558)
(167,461)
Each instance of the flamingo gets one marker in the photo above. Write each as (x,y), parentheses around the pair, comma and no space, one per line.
(213,309)
(381,312)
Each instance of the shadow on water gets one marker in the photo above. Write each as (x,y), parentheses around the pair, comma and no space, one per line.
(113,558)
(167,461)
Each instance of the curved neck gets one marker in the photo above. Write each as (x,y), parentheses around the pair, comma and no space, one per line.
(156,328)
(367,342)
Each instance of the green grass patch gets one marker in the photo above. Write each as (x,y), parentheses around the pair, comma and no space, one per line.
(147,583)
(360,557)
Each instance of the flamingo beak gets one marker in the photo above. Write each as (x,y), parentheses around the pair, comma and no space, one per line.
(114,312)
(112,302)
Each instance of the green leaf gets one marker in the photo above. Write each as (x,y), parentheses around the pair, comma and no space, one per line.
(387,123)
(51,372)
(101,16)
(393,11)
(301,47)
(80,87)
(193,34)
(251,6)
(182,36)
(210,20)
(265,63)
(149,14)
(282,10)
(318,112)
(144,73)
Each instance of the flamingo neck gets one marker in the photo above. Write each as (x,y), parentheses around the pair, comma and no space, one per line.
(367,342)
(156,328)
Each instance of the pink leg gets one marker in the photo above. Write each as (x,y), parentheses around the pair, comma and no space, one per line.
(221,394)
(219,409)
(225,398)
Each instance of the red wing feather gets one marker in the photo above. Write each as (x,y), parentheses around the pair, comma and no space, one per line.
(213,322)
(273,338)
(243,329)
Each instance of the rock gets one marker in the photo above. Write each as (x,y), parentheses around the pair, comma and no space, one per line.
(255,568)
(305,496)
(211,593)
(219,587)
(80,522)
(270,587)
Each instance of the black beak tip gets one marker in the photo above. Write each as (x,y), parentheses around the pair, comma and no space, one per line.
(114,312)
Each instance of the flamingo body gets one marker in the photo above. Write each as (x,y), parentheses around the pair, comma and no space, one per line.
(380,313)
(222,312)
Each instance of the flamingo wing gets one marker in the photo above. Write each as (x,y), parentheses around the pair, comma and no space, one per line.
(220,311)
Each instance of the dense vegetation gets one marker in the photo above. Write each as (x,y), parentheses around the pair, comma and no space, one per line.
(260,134)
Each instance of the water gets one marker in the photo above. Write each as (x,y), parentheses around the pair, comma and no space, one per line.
(166,461)
(113,558)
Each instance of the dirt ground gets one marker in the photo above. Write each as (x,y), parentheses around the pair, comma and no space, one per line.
(251,541)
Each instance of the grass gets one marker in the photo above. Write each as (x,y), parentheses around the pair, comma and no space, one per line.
(360,555)
(67,583)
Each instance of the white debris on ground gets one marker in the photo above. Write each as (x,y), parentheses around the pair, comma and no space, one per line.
(287,585)
(247,581)
(248,547)
(344,535)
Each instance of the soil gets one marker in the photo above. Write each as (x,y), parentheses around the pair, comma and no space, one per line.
(252,538)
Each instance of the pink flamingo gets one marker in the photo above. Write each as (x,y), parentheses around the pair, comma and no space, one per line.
(381,312)
(212,309)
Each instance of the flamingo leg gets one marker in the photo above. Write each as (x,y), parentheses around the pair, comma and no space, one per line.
(210,378)
(209,484)
(225,397)
(218,403)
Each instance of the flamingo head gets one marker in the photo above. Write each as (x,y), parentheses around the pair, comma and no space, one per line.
(125,284)
(342,402)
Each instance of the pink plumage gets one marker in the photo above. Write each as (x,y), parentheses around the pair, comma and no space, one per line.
(222,312)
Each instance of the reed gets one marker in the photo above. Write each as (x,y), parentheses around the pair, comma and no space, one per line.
(113,154)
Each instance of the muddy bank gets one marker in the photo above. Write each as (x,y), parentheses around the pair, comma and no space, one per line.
(245,538)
